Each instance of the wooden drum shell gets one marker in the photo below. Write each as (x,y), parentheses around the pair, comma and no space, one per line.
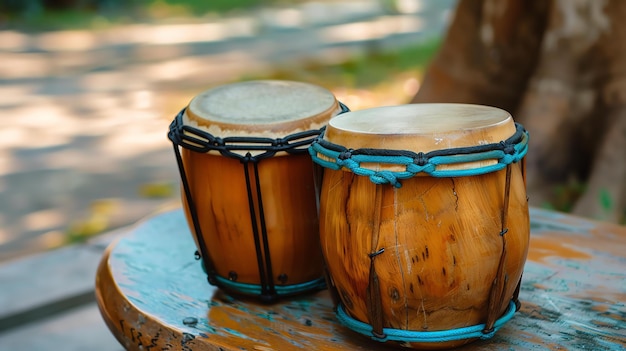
(219,191)
(248,189)
(441,238)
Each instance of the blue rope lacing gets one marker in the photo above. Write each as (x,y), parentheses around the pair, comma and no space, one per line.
(336,157)
(401,335)
(257,289)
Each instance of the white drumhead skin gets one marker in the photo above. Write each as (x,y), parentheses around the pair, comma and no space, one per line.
(421,127)
(420,119)
(264,102)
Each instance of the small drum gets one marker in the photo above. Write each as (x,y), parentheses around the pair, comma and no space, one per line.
(248,187)
(424,221)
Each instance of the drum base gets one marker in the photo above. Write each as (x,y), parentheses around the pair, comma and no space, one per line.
(427,339)
(280,291)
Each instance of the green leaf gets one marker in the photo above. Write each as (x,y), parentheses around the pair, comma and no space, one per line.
(606,199)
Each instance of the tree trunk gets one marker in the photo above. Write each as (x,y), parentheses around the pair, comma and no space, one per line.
(559,67)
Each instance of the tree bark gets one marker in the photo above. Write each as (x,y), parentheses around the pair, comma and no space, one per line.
(559,67)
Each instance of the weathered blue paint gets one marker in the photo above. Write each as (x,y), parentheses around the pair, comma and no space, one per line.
(573,296)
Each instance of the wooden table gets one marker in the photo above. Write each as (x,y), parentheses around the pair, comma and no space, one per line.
(153,295)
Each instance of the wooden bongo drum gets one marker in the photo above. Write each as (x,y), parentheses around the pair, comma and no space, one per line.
(424,221)
(248,189)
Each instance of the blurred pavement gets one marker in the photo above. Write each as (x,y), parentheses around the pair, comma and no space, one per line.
(84,114)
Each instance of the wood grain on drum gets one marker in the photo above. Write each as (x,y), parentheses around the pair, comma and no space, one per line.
(436,272)
(255,221)
(443,263)
(220,196)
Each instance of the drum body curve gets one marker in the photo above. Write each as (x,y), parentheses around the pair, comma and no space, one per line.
(433,253)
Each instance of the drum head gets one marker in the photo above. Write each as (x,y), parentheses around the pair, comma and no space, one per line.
(266,108)
(421,127)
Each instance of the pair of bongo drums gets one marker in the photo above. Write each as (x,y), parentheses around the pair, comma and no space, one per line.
(414,216)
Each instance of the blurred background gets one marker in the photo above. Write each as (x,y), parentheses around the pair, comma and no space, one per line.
(89,87)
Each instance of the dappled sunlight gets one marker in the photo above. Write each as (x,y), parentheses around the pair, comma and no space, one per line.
(110,81)
(13,95)
(4,236)
(287,18)
(173,69)
(51,240)
(13,41)
(167,34)
(141,99)
(86,112)
(324,12)
(17,65)
(370,30)
(186,33)
(69,40)
(398,90)
(7,164)
(23,65)
(202,70)
(409,6)
(73,159)
(98,101)
(37,126)
(146,133)
(70,62)
(150,53)
(11,137)
(410,86)
(42,220)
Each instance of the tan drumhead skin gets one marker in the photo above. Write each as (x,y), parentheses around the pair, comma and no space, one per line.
(421,127)
(264,108)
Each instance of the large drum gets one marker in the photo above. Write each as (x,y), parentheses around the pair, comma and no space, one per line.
(248,188)
(424,221)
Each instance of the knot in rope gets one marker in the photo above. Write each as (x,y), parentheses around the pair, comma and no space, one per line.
(427,168)
(385,177)
(421,159)
(346,154)
(508,148)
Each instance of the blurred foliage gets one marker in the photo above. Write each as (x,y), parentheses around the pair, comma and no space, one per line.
(564,196)
(606,200)
(202,7)
(75,14)
(361,71)
(157,190)
(96,222)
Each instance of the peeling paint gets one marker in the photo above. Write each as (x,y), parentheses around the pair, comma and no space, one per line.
(573,296)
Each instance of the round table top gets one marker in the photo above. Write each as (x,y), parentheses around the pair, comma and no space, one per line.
(153,295)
